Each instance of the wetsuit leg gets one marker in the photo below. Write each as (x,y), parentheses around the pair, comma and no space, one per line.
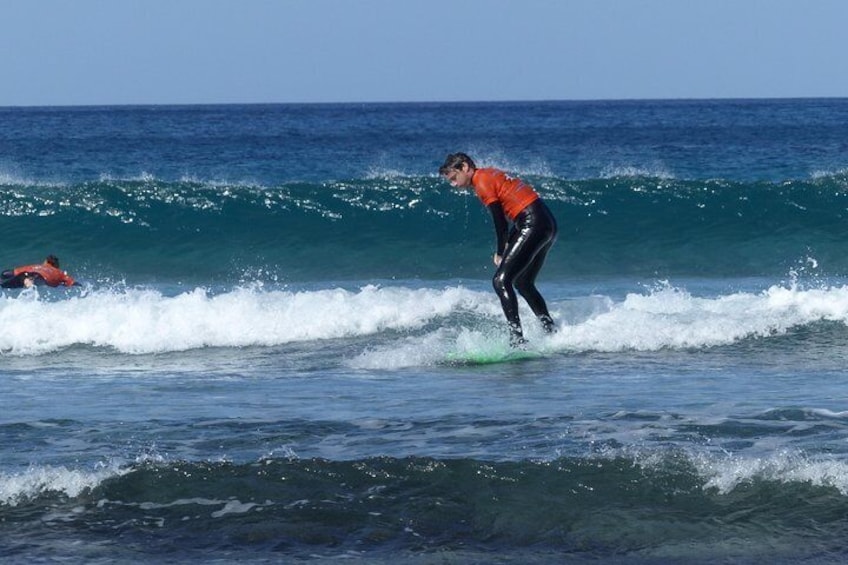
(526,251)
(21,280)
(525,284)
(9,280)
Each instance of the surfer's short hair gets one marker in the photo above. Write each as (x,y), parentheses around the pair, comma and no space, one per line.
(52,260)
(455,161)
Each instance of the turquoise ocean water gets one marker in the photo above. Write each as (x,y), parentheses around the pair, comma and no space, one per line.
(267,360)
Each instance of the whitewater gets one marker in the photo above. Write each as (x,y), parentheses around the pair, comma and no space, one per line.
(139,321)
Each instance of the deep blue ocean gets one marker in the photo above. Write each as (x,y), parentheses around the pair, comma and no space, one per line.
(272,355)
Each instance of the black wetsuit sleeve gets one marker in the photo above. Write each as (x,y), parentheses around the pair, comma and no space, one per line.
(501,225)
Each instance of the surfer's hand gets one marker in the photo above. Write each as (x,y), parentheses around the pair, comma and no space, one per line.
(497,259)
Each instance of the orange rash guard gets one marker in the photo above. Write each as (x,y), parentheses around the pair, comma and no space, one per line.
(51,275)
(493,185)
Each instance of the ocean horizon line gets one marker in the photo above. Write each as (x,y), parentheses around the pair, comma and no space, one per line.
(131,105)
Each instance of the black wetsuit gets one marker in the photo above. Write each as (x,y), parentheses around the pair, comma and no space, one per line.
(522,256)
(8,279)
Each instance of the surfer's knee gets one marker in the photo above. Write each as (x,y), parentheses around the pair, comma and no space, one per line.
(501,282)
(498,281)
(524,286)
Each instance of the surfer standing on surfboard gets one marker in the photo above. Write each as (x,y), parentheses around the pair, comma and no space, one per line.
(521,250)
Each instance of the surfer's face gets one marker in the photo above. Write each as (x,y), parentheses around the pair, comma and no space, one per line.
(460,178)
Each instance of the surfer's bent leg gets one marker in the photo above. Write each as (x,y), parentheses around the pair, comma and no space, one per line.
(543,236)
(505,291)
(535,233)
(8,279)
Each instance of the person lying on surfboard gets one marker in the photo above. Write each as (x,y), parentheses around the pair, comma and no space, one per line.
(521,251)
(47,273)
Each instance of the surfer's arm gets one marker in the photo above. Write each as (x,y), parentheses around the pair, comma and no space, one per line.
(501,226)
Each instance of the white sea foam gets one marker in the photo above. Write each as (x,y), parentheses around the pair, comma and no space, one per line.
(10,178)
(785,466)
(828,174)
(498,160)
(725,472)
(38,480)
(670,318)
(386,173)
(664,318)
(139,321)
(407,352)
(657,170)
(144,321)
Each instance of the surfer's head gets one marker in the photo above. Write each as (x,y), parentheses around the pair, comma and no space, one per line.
(458,169)
(52,260)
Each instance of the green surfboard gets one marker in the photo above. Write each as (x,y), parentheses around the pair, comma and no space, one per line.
(491,357)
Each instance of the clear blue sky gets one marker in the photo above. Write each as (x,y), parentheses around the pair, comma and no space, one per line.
(67,52)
